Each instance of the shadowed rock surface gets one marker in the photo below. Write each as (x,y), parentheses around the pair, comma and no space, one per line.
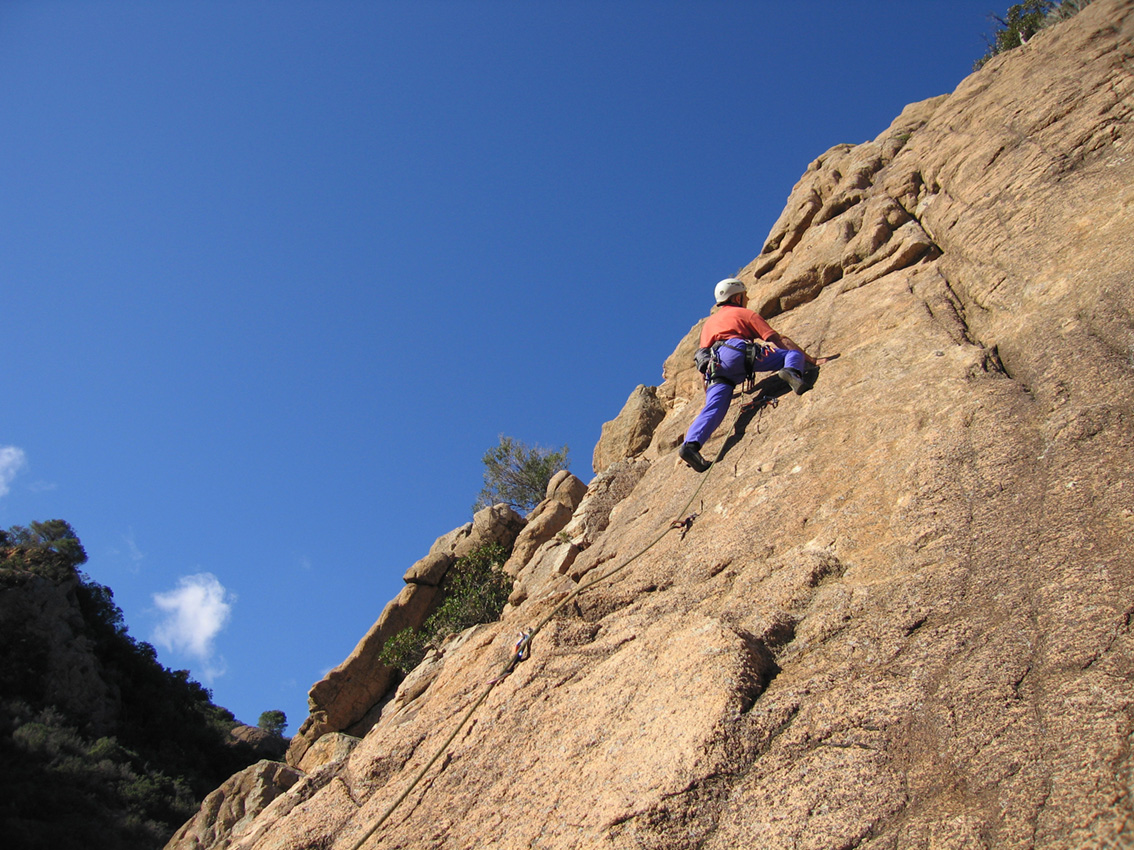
(901,615)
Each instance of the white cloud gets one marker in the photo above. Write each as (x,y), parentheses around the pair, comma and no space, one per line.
(12,460)
(194,613)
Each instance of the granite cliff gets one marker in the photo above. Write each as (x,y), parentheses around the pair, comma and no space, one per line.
(899,612)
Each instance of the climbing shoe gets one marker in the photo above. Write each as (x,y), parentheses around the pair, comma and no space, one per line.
(796,380)
(691,454)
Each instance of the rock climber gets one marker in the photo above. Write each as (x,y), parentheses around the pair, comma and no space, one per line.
(725,359)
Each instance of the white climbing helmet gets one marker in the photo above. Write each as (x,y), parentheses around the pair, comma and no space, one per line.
(727,288)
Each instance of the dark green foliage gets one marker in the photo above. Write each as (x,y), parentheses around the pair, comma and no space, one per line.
(65,784)
(406,649)
(50,549)
(1024,20)
(61,790)
(474,591)
(273,721)
(517,474)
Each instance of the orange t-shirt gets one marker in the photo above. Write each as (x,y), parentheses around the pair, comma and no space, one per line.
(731,322)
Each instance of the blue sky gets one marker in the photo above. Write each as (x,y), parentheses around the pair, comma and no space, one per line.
(274,276)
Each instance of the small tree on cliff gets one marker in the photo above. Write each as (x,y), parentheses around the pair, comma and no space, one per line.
(274,721)
(1024,20)
(517,474)
(50,549)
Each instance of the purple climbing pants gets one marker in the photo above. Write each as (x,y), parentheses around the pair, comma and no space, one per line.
(718,396)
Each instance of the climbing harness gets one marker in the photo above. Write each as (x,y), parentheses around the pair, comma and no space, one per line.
(708,360)
(522,649)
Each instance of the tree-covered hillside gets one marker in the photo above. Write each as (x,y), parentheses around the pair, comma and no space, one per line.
(129,771)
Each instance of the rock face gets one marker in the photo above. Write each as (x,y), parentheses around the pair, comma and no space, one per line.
(228,813)
(45,616)
(543,548)
(564,492)
(629,433)
(899,614)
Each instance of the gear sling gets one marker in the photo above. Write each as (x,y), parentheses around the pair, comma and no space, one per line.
(708,360)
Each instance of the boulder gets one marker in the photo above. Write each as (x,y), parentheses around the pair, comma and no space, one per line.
(334,747)
(546,522)
(430,570)
(228,812)
(495,524)
(548,518)
(629,433)
(551,560)
(565,489)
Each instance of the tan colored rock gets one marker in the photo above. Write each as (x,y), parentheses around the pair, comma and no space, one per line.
(899,616)
(416,682)
(348,698)
(838,226)
(540,574)
(430,570)
(629,434)
(683,384)
(447,543)
(228,812)
(566,489)
(495,524)
(399,709)
(334,747)
(538,531)
(604,493)
(407,610)
(347,694)
(548,518)
(265,828)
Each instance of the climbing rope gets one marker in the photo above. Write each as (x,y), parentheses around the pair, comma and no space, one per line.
(523,646)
